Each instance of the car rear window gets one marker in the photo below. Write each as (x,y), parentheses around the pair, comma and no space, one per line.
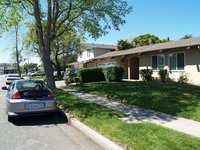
(31,85)
(13,75)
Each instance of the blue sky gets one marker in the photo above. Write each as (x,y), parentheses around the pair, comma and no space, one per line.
(163,18)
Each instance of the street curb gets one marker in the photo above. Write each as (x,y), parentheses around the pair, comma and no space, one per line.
(93,135)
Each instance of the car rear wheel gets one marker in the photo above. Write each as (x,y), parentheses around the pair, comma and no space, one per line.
(51,115)
(10,119)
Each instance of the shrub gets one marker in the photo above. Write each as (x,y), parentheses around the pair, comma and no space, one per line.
(58,78)
(183,78)
(163,73)
(100,74)
(146,74)
(91,75)
(71,80)
(113,73)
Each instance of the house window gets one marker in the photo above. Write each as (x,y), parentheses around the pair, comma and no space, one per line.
(177,61)
(88,53)
(81,54)
(158,62)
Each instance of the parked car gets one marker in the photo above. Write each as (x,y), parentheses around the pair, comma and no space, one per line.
(29,97)
(12,77)
(55,73)
(29,73)
(38,73)
(71,73)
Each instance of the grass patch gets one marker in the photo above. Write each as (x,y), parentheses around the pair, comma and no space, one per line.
(172,98)
(141,136)
(35,77)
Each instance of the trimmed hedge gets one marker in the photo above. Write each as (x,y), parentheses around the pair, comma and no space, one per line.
(91,75)
(113,73)
(100,74)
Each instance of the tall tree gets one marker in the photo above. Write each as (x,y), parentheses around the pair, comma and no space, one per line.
(124,44)
(63,49)
(146,39)
(54,18)
(187,36)
(17,52)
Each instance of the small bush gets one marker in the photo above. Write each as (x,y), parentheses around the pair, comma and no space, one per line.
(58,78)
(44,78)
(146,74)
(91,75)
(163,73)
(183,78)
(113,73)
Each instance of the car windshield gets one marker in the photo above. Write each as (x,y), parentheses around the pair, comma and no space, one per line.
(30,85)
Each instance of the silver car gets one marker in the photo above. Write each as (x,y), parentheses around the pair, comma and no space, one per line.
(29,97)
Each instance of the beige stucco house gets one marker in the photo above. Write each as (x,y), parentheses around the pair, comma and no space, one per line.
(178,57)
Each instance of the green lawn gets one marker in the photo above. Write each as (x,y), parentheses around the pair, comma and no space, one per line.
(141,136)
(35,77)
(172,98)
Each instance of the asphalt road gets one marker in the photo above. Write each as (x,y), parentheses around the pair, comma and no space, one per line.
(40,133)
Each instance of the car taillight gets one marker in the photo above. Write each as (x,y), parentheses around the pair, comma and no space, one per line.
(50,95)
(16,96)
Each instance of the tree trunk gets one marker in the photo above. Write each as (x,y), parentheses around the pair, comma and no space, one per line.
(44,48)
(16,49)
(58,64)
(48,67)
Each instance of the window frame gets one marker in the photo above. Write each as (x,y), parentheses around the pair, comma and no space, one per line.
(176,61)
(81,54)
(88,53)
(157,61)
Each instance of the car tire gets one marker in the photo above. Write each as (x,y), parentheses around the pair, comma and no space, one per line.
(10,119)
(51,115)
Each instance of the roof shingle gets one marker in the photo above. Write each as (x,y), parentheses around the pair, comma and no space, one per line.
(155,47)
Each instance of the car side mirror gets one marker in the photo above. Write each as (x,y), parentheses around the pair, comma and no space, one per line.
(4,88)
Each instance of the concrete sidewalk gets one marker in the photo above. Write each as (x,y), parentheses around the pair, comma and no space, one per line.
(136,114)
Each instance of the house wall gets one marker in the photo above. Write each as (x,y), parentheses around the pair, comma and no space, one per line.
(93,53)
(100,51)
(84,56)
(122,62)
(192,64)
(106,60)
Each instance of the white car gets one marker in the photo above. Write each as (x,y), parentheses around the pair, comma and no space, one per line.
(38,73)
(12,77)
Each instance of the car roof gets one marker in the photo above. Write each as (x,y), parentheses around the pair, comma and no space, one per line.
(25,80)
(13,75)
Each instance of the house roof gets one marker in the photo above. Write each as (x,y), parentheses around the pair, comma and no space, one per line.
(155,47)
(99,46)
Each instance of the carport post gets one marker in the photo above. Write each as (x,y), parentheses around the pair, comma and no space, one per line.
(129,68)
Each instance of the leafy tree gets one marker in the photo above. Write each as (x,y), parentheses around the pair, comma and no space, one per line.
(31,66)
(124,44)
(54,18)
(16,55)
(187,36)
(165,40)
(144,40)
(64,50)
